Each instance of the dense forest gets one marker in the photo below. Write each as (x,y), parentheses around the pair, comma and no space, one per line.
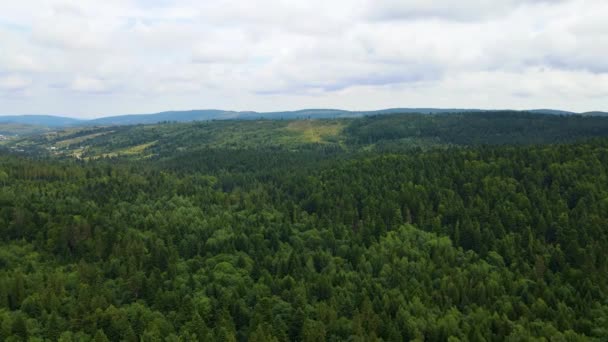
(389,228)
(379,133)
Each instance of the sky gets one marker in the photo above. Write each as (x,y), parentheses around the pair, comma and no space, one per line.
(91,58)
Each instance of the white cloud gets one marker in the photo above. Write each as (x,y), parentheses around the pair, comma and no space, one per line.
(275,54)
(91,85)
(14,83)
(461,10)
(227,48)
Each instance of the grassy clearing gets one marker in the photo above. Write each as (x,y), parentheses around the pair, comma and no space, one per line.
(315,131)
(77,140)
(77,153)
(138,149)
(129,151)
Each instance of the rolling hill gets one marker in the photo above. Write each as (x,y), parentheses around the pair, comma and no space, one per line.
(387,132)
(595,113)
(217,114)
(437,227)
(41,120)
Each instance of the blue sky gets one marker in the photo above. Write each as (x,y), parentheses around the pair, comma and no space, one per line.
(94,58)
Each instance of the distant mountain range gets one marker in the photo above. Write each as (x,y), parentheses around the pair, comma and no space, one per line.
(215,114)
(41,120)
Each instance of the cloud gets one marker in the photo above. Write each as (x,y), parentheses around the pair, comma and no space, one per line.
(463,10)
(222,51)
(13,83)
(21,63)
(272,54)
(91,85)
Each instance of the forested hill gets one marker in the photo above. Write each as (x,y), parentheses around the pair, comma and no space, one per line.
(389,228)
(372,133)
(478,128)
(216,114)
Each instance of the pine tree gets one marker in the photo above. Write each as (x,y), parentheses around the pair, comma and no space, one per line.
(198,327)
(100,336)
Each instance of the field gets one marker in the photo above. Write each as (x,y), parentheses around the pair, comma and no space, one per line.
(316,131)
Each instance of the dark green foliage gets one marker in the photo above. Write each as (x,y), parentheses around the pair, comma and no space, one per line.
(475,128)
(263,244)
(381,133)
